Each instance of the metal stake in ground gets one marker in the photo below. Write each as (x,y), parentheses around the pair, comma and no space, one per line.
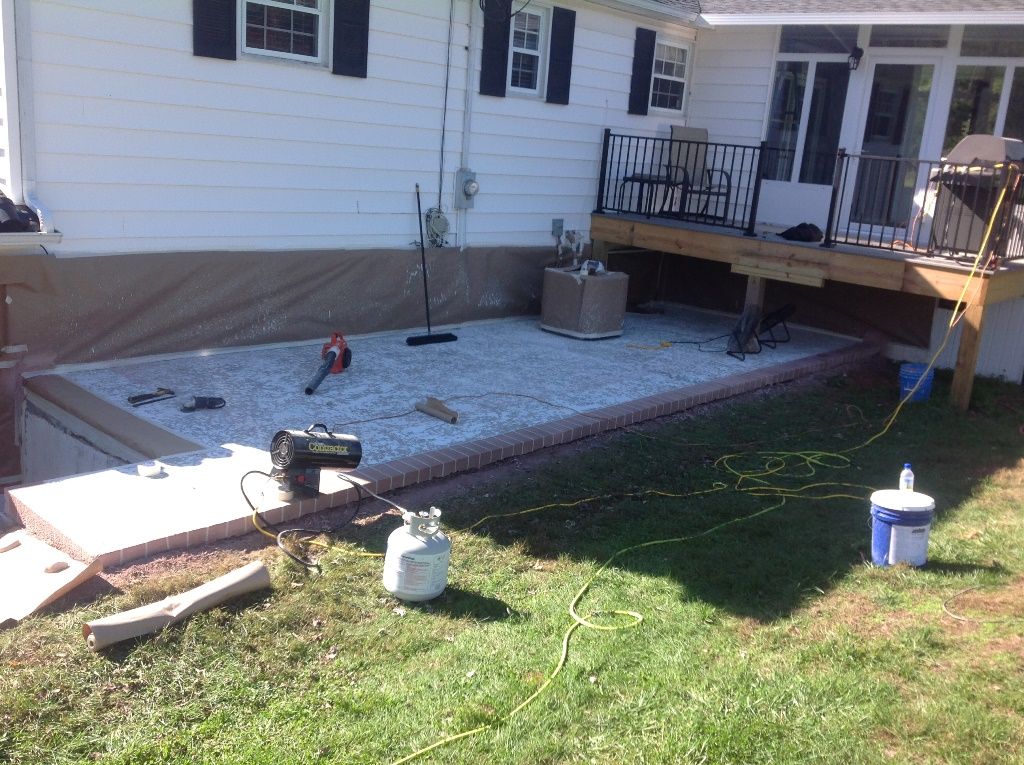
(444,337)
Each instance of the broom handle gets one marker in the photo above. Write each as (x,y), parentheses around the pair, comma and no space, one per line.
(423,257)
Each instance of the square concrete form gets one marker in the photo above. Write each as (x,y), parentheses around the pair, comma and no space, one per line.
(516,390)
(585,307)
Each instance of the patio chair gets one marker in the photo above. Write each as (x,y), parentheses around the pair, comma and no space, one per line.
(692,185)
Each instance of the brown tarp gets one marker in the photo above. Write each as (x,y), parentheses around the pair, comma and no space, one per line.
(86,309)
(28,288)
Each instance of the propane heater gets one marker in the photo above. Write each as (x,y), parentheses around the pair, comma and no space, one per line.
(300,455)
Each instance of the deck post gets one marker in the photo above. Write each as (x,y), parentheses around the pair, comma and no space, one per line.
(603,178)
(837,181)
(754,298)
(756,196)
(967,355)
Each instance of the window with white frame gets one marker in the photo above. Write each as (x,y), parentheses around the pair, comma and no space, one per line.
(668,82)
(291,29)
(526,49)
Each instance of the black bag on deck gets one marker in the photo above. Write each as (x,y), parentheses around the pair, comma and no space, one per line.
(803,232)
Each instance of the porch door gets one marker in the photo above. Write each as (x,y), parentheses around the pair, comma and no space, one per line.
(894,125)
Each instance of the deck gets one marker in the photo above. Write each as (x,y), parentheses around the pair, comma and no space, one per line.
(761,258)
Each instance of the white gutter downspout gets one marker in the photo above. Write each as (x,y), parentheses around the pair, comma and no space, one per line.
(26,151)
(472,55)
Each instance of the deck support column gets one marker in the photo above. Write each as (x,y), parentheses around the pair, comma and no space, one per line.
(754,299)
(967,355)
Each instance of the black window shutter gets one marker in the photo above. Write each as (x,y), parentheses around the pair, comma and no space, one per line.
(351,37)
(563,31)
(213,28)
(643,63)
(494,56)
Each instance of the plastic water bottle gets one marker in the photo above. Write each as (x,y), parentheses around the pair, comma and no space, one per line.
(907,478)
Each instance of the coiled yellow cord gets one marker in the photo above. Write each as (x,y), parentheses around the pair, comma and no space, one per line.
(778,464)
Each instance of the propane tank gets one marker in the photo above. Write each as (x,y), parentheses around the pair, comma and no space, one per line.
(416,561)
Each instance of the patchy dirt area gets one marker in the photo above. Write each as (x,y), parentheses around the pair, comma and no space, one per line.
(979,605)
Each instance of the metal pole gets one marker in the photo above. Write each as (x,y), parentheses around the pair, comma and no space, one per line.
(423,257)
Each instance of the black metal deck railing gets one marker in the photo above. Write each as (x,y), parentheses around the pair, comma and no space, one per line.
(702,182)
(914,207)
(927,208)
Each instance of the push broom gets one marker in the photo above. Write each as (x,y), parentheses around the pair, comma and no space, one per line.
(443,337)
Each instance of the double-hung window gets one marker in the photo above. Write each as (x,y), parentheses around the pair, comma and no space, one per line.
(291,29)
(808,100)
(668,82)
(526,49)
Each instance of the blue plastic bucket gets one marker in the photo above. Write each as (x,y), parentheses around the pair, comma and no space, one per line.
(909,375)
(900,522)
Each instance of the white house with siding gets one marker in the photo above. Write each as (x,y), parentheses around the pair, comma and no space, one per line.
(230,172)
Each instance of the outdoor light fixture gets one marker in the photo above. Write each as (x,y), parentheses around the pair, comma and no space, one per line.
(854,58)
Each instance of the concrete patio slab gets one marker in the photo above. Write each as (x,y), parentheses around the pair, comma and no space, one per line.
(516,389)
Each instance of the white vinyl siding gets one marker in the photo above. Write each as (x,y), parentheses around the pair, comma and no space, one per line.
(143,147)
(731,83)
(7,78)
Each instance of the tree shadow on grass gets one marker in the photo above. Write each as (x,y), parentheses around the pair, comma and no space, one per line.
(729,553)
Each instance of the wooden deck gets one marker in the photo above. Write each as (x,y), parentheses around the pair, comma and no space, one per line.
(761,258)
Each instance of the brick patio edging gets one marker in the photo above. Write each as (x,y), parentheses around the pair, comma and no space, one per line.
(478,453)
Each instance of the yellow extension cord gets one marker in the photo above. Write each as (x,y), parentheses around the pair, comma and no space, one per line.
(753,482)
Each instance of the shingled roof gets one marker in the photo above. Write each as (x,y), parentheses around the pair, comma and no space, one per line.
(686,6)
(779,7)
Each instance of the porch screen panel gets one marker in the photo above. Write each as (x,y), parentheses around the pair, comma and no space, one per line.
(818,39)
(909,36)
(784,122)
(1014,127)
(828,98)
(975,104)
(993,40)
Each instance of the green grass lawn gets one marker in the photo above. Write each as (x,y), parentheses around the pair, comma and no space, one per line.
(767,636)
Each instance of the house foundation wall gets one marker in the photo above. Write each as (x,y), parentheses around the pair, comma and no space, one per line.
(96,309)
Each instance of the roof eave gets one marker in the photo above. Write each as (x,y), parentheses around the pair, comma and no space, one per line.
(653,11)
(895,17)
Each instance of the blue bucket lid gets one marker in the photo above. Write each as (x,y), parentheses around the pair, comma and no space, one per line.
(902,500)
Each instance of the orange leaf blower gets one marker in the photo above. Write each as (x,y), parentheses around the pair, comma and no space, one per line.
(336,358)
